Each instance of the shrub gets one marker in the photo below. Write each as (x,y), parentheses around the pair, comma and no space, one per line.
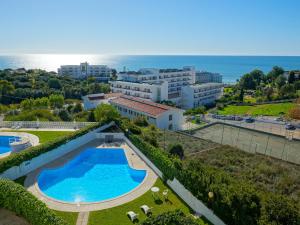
(170,218)
(33,115)
(158,157)
(15,198)
(105,112)
(177,150)
(64,115)
(141,121)
(279,209)
(17,159)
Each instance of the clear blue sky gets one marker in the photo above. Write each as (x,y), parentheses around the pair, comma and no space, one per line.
(239,27)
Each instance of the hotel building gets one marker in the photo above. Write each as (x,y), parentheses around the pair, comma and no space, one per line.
(201,94)
(207,77)
(101,72)
(155,84)
(162,116)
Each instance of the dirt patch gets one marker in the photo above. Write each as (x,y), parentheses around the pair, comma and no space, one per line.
(10,218)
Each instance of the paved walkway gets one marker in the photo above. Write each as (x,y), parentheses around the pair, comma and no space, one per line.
(83,218)
(134,161)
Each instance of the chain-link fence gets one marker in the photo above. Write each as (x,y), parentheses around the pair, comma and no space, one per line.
(284,148)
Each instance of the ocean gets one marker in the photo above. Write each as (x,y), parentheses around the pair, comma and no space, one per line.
(231,67)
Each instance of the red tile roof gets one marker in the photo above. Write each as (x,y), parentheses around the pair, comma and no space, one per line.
(141,105)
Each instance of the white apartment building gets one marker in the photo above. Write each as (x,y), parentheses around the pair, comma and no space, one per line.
(201,94)
(162,116)
(101,72)
(208,77)
(161,84)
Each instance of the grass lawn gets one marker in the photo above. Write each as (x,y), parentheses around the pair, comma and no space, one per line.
(267,109)
(69,217)
(45,136)
(117,215)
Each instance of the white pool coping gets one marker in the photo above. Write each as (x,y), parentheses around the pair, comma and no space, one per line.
(33,139)
(134,161)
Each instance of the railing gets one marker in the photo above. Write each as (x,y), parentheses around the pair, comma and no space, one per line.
(43,124)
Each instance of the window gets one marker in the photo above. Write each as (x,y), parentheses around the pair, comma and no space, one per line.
(170,126)
(170,117)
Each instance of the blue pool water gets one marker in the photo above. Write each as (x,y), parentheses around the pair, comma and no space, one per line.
(92,176)
(4,143)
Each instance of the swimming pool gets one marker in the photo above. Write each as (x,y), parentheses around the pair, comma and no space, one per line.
(4,143)
(95,175)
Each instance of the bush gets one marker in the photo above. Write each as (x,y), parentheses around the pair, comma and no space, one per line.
(64,115)
(15,198)
(170,218)
(33,115)
(177,150)
(141,121)
(280,210)
(105,112)
(17,159)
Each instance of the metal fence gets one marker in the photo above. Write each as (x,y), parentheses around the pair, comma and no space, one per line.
(43,125)
(284,148)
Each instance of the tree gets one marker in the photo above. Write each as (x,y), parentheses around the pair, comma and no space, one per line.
(292,77)
(275,72)
(77,108)
(105,113)
(27,104)
(56,101)
(241,95)
(64,115)
(247,82)
(176,149)
(280,81)
(286,90)
(54,83)
(41,103)
(6,88)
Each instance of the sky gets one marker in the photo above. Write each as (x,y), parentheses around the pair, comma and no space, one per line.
(197,27)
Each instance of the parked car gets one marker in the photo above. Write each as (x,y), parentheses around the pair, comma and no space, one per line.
(238,118)
(249,120)
(290,127)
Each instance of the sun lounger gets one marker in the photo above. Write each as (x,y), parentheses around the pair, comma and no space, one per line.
(146,209)
(132,215)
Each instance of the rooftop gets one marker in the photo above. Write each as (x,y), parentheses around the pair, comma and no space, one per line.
(151,108)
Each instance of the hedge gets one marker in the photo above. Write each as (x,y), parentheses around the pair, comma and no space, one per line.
(18,158)
(172,217)
(15,198)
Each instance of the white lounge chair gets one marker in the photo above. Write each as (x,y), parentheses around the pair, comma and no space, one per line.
(165,193)
(146,209)
(132,215)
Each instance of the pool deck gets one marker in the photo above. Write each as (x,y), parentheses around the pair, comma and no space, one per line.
(134,161)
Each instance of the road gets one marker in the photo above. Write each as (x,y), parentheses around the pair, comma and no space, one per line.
(263,124)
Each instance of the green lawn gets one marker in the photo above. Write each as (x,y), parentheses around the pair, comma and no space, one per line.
(267,109)
(69,217)
(117,215)
(45,136)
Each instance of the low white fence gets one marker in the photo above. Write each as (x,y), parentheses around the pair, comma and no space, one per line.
(31,165)
(44,124)
(195,204)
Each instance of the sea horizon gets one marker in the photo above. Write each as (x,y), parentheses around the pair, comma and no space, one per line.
(232,67)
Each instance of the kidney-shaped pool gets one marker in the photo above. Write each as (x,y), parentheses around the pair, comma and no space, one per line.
(96,174)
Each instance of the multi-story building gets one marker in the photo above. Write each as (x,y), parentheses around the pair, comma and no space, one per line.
(208,77)
(200,94)
(161,84)
(101,72)
(162,116)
